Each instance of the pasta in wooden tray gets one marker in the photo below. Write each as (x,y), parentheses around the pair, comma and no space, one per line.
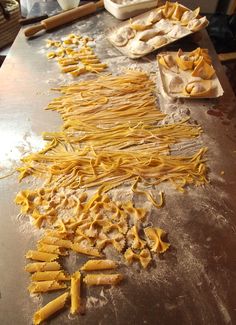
(156,28)
(189,74)
(130,146)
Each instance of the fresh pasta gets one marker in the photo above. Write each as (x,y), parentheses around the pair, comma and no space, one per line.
(75,292)
(103,279)
(42,267)
(51,308)
(94,265)
(75,61)
(45,286)
(112,135)
(41,256)
(50,275)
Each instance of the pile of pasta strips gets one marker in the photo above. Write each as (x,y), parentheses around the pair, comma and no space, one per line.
(74,55)
(111,137)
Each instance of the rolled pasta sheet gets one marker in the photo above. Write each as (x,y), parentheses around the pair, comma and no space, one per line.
(42,266)
(75,292)
(50,275)
(51,308)
(41,256)
(85,250)
(94,265)
(56,241)
(103,279)
(45,286)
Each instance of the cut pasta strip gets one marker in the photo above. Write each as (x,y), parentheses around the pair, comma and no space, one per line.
(45,286)
(75,292)
(51,308)
(94,265)
(50,275)
(103,279)
(41,256)
(42,267)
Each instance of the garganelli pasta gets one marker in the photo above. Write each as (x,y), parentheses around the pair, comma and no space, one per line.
(103,279)
(45,286)
(51,308)
(42,266)
(75,292)
(94,265)
(50,275)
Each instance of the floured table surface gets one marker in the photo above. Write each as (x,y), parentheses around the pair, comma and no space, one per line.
(194,281)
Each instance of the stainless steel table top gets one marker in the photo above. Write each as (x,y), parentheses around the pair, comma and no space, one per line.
(192,283)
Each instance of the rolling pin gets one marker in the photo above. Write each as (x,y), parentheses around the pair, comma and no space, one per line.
(65,17)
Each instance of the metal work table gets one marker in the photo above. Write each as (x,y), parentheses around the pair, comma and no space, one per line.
(193,282)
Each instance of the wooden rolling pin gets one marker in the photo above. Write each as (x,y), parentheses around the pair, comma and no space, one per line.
(65,17)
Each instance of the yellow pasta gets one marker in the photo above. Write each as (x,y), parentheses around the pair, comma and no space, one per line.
(144,257)
(71,57)
(41,256)
(94,265)
(45,286)
(75,292)
(42,266)
(156,243)
(65,243)
(51,308)
(103,279)
(50,275)
(42,247)
(137,242)
(85,250)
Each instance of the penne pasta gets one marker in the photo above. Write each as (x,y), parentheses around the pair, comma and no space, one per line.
(41,256)
(42,266)
(51,308)
(94,265)
(75,292)
(103,279)
(50,275)
(45,286)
